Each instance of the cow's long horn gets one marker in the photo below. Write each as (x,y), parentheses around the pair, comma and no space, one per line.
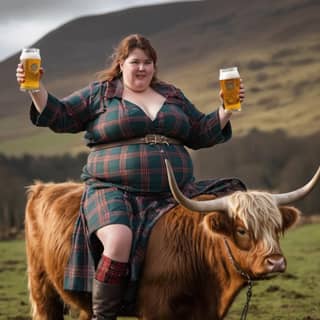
(206,206)
(286,198)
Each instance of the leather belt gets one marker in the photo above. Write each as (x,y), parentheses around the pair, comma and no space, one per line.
(148,139)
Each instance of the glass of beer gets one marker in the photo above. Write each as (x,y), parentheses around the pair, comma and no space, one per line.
(31,60)
(230,86)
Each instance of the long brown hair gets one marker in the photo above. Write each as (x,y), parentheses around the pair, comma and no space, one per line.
(122,51)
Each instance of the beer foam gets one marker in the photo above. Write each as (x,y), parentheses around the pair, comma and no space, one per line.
(229,73)
(30,54)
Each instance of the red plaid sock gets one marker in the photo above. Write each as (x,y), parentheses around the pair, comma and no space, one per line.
(110,271)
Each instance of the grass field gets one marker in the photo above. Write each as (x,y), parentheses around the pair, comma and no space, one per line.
(293,295)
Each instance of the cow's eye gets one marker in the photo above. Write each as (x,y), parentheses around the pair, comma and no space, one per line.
(241,231)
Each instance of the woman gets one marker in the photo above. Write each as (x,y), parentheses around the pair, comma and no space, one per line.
(133,122)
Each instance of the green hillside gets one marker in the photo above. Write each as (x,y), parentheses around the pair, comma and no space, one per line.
(282,86)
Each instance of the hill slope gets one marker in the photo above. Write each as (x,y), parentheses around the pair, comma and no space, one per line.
(275,44)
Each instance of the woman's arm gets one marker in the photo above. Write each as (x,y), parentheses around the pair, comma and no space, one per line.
(224,116)
(208,129)
(40,98)
(70,114)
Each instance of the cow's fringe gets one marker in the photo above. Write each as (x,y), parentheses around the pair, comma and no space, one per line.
(260,215)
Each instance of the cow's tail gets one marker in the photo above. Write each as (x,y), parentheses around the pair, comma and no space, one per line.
(36,200)
(34,189)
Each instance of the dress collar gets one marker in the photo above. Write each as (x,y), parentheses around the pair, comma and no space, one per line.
(114,88)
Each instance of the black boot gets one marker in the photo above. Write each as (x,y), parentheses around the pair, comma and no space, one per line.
(130,307)
(106,299)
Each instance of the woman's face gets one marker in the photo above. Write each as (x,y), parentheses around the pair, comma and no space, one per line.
(137,70)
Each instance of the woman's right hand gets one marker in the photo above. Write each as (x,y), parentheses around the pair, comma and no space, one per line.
(39,98)
(21,75)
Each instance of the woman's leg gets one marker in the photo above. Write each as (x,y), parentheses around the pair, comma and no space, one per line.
(116,240)
(111,275)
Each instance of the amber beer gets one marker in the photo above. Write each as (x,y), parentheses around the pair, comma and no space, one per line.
(31,61)
(230,86)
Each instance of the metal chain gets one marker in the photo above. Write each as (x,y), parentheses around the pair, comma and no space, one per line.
(245,309)
(246,306)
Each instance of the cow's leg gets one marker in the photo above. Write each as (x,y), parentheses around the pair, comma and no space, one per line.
(45,302)
(78,301)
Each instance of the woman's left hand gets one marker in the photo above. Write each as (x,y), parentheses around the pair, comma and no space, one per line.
(241,92)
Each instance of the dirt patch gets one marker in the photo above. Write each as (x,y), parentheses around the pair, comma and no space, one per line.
(293,295)
(11,262)
(10,265)
(273,288)
(288,276)
(6,299)
(286,294)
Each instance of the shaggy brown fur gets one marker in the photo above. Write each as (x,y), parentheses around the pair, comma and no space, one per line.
(187,273)
(51,213)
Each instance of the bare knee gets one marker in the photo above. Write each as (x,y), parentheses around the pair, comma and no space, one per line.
(116,240)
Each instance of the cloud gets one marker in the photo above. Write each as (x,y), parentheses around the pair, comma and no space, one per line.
(22,34)
(26,9)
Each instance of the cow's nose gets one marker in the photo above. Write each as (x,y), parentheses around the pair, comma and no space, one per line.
(276,264)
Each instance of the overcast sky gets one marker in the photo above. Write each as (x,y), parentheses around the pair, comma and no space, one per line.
(22,22)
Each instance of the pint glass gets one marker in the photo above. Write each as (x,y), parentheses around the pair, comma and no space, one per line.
(31,60)
(230,86)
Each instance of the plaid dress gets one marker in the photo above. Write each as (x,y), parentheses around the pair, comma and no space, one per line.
(128,184)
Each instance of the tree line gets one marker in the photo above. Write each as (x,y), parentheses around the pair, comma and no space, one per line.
(267,161)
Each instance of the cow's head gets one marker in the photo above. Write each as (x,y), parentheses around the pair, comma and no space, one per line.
(250,224)
(251,229)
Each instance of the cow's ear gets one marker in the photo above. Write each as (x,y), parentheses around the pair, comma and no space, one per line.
(290,216)
(218,222)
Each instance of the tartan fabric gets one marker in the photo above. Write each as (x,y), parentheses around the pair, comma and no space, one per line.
(138,167)
(100,110)
(110,271)
(146,208)
(128,184)
(70,114)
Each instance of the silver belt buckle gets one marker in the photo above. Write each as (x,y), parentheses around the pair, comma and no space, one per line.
(155,139)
